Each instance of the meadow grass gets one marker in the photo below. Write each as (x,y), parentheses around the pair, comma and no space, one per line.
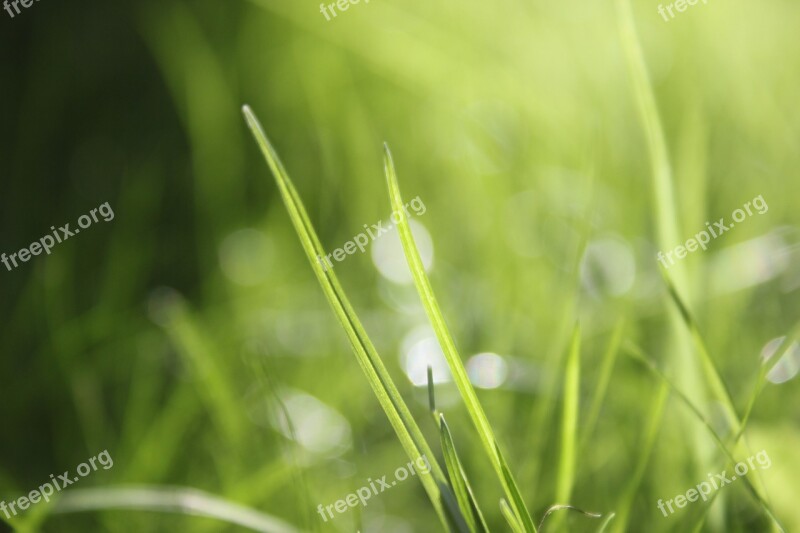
(557,146)
(464,512)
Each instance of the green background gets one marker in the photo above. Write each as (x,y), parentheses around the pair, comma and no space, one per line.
(166,335)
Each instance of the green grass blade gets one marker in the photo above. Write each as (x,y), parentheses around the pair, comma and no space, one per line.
(399,416)
(459,482)
(761,380)
(638,355)
(603,379)
(664,205)
(451,354)
(714,378)
(170,500)
(465,499)
(215,387)
(431,394)
(653,418)
(710,369)
(606,522)
(259,368)
(454,472)
(569,419)
(510,517)
(554,508)
(663,196)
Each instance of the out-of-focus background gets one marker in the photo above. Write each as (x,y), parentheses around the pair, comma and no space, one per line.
(189,338)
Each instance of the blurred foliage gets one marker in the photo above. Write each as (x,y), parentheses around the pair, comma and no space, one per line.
(172,335)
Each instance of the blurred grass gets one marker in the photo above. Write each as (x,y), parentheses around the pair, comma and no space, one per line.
(516,124)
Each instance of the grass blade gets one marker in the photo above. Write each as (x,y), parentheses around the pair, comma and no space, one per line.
(710,369)
(554,508)
(459,482)
(761,380)
(637,354)
(605,523)
(603,379)
(454,471)
(663,194)
(431,394)
(654,417)
(214,385)
(666,220)
(451,354)
(399,416)
(510,517)
(714,377)
(569,419)
(169,500)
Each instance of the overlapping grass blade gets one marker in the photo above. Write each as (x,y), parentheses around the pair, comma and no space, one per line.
(215,386)
(639,355)
(606,522)
(558,507)
(569,419)
(170,500)
(603,379)
(408,432)
(653,418)
(761,380)
(662,192)
(712,373)
(459,482)
(714,377)
(258,366)
(665,206)
(451,354)
(510,517)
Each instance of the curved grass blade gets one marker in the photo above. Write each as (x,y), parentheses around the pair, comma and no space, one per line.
(559,507)
(605,523)
(638,355)
(713,375)
(510,517)
(761,380)
(216,388)
(509,482)
(459,482)
(259,368)
(710,369)
(790,339)
(451,354)
(455,474)
(380,381)
(169,500)
(569,419)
